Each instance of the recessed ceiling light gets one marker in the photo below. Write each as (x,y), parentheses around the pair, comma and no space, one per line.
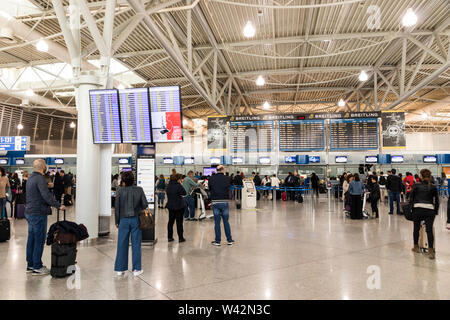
(72,125)
(410,18)
(341,103)
(266,105)
(29,92)
(20,126)
(120,87)
(249,30)
(42,46)
(424,115)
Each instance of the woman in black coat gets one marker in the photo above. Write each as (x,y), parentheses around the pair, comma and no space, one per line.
(176,205)
(58,187)
(315,183)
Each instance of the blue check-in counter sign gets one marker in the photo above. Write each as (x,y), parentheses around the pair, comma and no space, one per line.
(15,143)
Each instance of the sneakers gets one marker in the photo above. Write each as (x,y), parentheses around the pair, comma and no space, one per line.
(217,244)
(120,273)
(29,270)
(230,243)
(416,249)
(182,240)
(137,272)
(41,272)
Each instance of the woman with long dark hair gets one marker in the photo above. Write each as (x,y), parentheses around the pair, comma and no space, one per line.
(315,184)
(424,201)
(356,190)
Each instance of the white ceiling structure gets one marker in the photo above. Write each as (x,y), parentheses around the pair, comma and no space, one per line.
(309,52)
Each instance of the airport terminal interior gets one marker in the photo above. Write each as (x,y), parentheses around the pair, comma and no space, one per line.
(302,145)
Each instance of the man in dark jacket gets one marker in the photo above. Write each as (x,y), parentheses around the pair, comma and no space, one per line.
(238,182)
(39,199)
(374,189)
(257,182)
(219,186)
(394,186)
(176,205)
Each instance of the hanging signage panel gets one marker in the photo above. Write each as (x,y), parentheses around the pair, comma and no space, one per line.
(394,135)
(217,133)
(15,143)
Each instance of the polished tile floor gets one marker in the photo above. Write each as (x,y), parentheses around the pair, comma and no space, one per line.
(284,250)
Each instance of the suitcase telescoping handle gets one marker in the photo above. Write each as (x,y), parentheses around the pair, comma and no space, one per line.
(57,215)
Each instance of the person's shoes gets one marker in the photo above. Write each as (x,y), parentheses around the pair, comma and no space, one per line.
(217,244)
(448,226)
(390,213)
(120,273)
(194,219)
(170,240)
(137,272)
(416,249)
(182,240)
(431,253)
(230,243)
(29,270)
(41,272)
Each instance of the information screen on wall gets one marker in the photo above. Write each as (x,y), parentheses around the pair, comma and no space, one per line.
(105,116)
(251,135)
(15,143)
(354,134)
(166,114)
(301,135)
(135,115)
(146,177)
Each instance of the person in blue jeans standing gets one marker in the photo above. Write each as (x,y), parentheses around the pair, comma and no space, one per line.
(38,202)
(189,185)
(219,186)
(130,201)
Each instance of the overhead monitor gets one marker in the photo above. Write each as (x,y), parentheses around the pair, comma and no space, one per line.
(168,160)
(314,159)
(126,169)
(189,160)
(209,171)
(290,159)
(264,160)
(214,160)
(105,116)
(124,161)
(371,159)
(20,161)
(341,159)
(238,160)
(397,159)
(166,122)
(4,161)
(430,159)
(135,115)
(59,161)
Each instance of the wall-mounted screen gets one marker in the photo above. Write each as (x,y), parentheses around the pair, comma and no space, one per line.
(314,159)
(290,159)
(105,116)
(429,159)
(209,171)
(135,115)
(301,135)
(341,159)
(20,161)
(168,160)
(371,159)
(166,121)
(124,161)
(238,160)
(214,160)
(59,161)
(354,134)
(397,159)
(189,160)
(126,169)
(4,161)
(264,160)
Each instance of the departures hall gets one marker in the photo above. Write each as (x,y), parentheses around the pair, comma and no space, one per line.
(224,151)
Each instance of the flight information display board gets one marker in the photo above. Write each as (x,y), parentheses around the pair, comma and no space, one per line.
(135,115)
(251,135)
(105,116)
(301,135)
(354,134)
(166,114)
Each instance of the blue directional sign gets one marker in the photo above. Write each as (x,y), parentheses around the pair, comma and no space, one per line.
(16,143)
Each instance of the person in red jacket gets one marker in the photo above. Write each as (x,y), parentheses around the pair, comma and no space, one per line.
(408,182)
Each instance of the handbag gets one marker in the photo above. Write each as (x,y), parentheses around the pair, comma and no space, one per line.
(146,221)
(407,210)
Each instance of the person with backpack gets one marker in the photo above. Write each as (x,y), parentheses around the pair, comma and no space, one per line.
(424,202)
(189,185)
(160,190)
(394,187)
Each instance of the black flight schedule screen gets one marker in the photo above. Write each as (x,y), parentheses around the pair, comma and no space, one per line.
(251,135)
(302,135)
(135,115)
(105,116)
(354,134)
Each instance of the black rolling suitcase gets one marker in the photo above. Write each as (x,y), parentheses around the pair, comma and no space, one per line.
(67,200)
(5,230)
(63,257)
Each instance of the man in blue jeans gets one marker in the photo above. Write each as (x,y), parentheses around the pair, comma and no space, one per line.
(189,185)
(219,186)
(39,199)
(394,186)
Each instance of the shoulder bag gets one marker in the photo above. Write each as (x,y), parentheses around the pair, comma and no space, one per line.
(146,221)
